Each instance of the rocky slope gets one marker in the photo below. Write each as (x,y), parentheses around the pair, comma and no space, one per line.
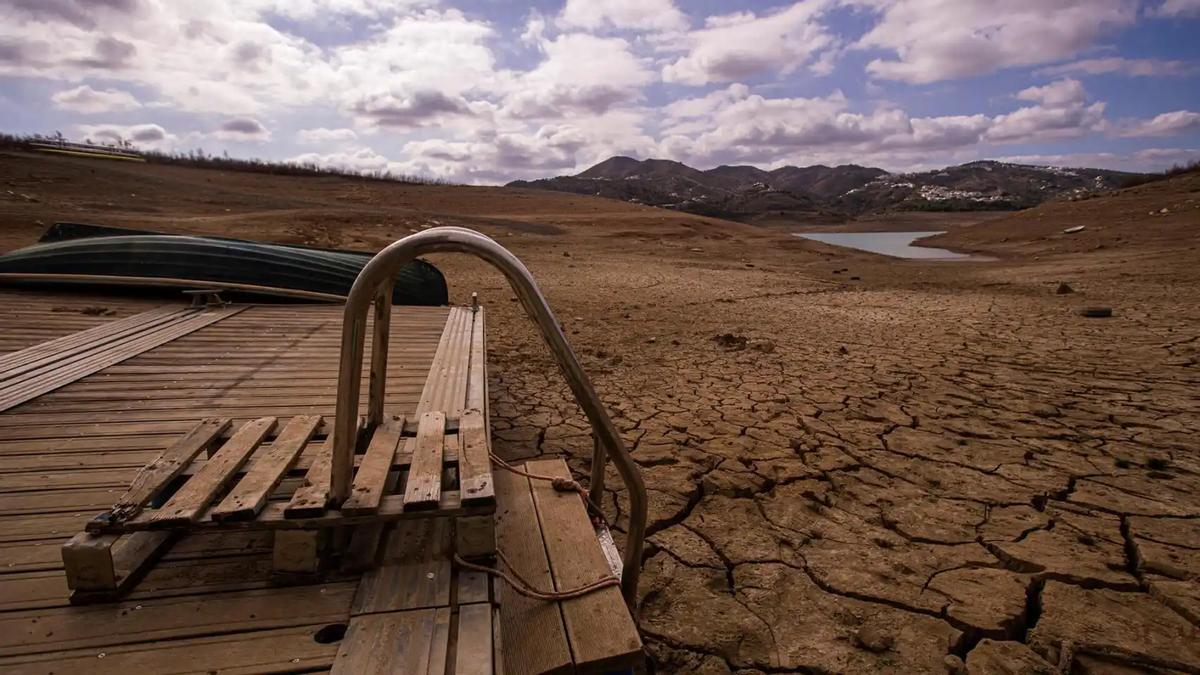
(752,194)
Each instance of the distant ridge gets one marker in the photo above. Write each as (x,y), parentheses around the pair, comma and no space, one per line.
(751,194)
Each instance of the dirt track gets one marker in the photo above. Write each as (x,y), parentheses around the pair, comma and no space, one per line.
(894,472)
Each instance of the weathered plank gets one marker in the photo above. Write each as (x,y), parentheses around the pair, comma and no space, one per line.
(312,498)
(474,463)
(248,497)
(599,628)
(278,650)
(535,640)
(156,475)
(412,642)
(424,487)
(197,493)
(473,643)
(415,571)
(368,487)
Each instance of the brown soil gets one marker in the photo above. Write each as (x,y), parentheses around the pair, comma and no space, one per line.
(908,466)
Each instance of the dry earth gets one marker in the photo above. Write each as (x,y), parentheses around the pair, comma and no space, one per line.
(903,467)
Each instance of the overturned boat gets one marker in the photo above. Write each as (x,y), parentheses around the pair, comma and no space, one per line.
(109,257)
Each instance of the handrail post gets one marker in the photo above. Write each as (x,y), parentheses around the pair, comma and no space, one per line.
(376,280)
(379,355)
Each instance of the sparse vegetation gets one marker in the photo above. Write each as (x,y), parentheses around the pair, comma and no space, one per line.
(198,158)
(1177,170)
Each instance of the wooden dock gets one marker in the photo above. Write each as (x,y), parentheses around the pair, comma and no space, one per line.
(78,430)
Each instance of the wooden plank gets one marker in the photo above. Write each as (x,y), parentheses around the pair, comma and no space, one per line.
(477,397)
(412,642)
(198,492)
(424,487)
(415,572)
(475,463)
(280,650)
(602,635)
(150,619)
(272,517)
(535,640)
(473,648)
(159,473)
(248,497)
(312,498)
(368,487)
(23,390)
(15,363)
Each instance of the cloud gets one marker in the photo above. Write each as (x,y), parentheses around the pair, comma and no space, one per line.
(242,129)
(1061,111)
(149,135)
(580,73)
(109,53)
(84,99)
(1122,66)
(81,13)
(1149,159)
(636,15)
(323,135)
(1166,124)
(947,39)
(358,159)
(744,45)
(409,110)
(1177,8)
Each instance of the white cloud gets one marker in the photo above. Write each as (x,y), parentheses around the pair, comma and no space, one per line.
(357,159)
(743,45)
(580,73)
(1123,66)
(242,129)
(324,135)
(946,39)
(1177,8)
(1061,111)
(637,15)
(84,99)
(1166,124)
(1150,159)
(141,135)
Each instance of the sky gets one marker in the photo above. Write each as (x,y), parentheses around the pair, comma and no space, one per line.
(485,91)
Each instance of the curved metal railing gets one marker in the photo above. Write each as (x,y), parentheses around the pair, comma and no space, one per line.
(375,283)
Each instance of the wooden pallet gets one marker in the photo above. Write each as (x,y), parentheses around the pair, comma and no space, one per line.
(221,477)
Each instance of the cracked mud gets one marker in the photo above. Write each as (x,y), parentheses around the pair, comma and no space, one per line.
(942,469)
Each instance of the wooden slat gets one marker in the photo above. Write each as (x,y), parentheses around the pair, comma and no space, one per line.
(535,640)
(19,362)
(279,650)
(601,632)
(473,643)
(411,642)
(312,498)
(415,571)
(475,464)
(197,493)
(160,472)
(248,497)
(368,486)
(424,487)
(477,398)
(23,390)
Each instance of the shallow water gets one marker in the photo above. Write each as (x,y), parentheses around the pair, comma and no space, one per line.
(896,244)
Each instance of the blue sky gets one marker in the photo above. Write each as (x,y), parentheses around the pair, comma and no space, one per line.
(484,91)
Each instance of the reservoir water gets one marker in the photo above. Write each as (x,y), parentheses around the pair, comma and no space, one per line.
(897,244)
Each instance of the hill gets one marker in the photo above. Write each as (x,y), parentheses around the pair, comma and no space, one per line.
(751,194)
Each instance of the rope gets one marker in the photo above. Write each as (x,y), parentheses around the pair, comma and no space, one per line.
(560,484)
(523,587)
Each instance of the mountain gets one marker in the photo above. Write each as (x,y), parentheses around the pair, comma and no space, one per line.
(751,194)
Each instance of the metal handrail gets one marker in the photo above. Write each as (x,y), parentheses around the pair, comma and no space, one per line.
(374,283)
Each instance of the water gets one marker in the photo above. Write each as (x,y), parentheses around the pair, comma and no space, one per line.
(896,244)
